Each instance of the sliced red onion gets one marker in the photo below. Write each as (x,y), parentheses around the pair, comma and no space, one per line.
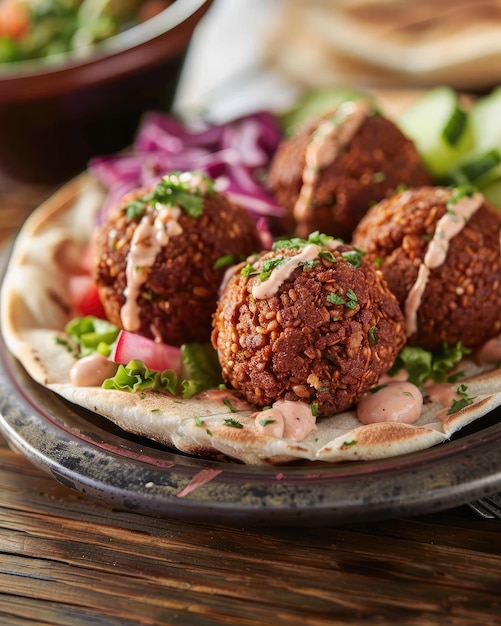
(235,154)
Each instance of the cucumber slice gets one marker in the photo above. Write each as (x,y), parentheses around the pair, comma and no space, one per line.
(483,168)
(316,102)
(440,129)
(482,164)
(485,119)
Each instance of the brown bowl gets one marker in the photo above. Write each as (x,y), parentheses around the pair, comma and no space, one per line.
(55,117)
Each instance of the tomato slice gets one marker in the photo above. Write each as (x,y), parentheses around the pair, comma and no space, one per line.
(156,356)
(84,296)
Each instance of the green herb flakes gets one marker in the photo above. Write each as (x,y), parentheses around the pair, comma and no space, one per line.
(266,422)
(351,301)
(460,192)
(228,403)
(354,257)
(463,400)
(185,190)
(372,336)
(349,444)
(233,423)
(224,261)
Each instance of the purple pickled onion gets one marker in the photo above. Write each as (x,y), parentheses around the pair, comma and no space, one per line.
(234,154)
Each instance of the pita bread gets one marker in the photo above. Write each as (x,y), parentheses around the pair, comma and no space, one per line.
(35,308)
(388,43)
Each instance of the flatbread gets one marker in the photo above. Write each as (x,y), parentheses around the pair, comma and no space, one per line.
(35,308)
(388,43)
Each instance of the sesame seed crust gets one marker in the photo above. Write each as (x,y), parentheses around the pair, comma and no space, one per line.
(377,160)
(462,299)
(303,343)
(178,297)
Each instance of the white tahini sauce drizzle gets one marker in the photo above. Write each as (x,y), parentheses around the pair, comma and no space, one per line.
(269,287)
(448,226)
(92,370)
(325,144)
(286,419)
(154,230)
(397,401)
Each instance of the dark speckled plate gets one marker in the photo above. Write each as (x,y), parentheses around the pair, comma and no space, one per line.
(90,454)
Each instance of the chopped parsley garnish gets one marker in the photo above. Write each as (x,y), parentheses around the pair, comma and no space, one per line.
(224,261)
(351,301)
(463,400)
(69,346)
(176,190)
(378,177)
(248,270)
(266,422)
(268,266)
(354,257)
(372,335)
(460,192)
(233,423)
(315,238)
(348,444)
(135,209)
(327,254)
(228,403)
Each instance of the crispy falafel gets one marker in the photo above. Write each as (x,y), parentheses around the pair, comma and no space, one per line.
(329,173)
(310,321)
(156,257)
(439,250)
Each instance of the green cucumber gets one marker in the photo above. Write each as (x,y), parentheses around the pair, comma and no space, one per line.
(485,118)
(482,164)
(317,102)
(482,168)
(492,193)
(440,129)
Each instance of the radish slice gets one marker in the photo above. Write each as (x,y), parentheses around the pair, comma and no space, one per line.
(156,356)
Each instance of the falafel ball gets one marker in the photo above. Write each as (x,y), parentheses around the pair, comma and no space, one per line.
(439,251)
(158,258)
(336,167)
(310,321)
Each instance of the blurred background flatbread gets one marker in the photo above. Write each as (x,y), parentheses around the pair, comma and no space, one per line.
(388,43)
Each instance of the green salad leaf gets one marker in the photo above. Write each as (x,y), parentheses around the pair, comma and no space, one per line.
(200,370)
(423,365)
(135,376)
(91,334)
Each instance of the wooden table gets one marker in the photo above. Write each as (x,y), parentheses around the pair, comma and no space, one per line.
(68,560)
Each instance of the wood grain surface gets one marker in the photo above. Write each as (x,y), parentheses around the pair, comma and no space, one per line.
(67,560)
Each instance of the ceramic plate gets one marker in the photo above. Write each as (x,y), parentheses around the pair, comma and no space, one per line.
(88,453)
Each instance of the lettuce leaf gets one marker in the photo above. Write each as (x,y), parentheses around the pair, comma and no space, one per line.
(422,365)
(200,370)
(199,367)
(91,334)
